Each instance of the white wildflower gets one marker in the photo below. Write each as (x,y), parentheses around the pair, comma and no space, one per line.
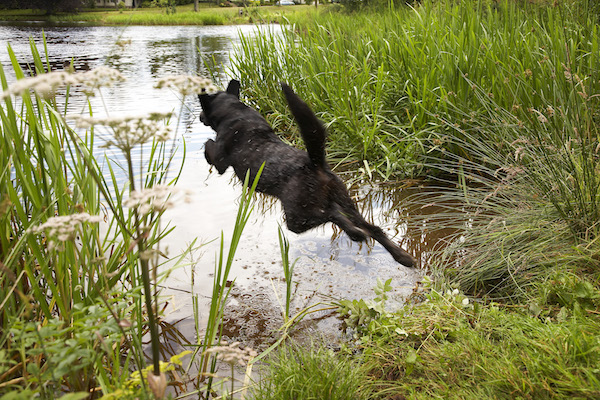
(98,77)
(45,84)
(64,227)
(155,199)
(187,84)
(129,131)
(232,353)
(455,292)
(465,301)
(42,84)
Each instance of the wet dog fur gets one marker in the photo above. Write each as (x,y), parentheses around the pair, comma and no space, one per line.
(311,194)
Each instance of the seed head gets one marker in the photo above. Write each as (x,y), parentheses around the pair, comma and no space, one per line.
(64,227)
(232,353)
(155,199)
(129,131)
(45,84)
(187,84)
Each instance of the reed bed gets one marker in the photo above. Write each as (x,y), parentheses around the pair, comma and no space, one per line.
(381,79)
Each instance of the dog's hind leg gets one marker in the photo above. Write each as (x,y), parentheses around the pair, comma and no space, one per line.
(396,251)
(358,230)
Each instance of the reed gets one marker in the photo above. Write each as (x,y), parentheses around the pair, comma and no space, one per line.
(222,286)
(528,192)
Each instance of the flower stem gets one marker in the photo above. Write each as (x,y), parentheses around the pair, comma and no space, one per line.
(141,242)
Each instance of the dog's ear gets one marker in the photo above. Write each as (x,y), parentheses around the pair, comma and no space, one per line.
(204,101)
(234,88)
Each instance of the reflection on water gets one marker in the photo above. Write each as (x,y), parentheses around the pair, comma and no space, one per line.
(329,264)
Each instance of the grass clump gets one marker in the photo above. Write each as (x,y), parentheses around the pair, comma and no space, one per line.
(449,347)
(311,372)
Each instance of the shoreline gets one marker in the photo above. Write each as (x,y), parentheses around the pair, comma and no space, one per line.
(184,15)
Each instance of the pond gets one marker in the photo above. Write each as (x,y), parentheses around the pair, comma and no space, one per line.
(329,265)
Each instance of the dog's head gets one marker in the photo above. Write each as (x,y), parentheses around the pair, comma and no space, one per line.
(213,104)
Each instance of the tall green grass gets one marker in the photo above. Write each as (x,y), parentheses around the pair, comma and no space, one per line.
(529,197)
(183,18)
(380,78)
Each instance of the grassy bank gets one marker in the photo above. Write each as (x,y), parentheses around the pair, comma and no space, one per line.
(184,15)
(448,347)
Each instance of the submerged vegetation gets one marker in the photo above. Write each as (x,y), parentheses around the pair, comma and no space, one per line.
(494,103)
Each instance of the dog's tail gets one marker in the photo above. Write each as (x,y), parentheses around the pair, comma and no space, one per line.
(311,128)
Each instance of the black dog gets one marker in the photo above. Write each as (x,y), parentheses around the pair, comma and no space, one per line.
(310,192)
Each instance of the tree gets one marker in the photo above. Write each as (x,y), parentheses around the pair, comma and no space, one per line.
(49,6)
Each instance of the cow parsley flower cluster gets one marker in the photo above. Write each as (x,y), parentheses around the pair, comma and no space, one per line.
(45,84)
(232,354)
(129,131)
(64,227)
(98,77)
(187,84)
(155,199)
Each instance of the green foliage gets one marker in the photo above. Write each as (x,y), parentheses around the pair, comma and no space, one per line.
(382,80)
(358,314)
(63,327)
(72,351)
(310,372)
(450,347)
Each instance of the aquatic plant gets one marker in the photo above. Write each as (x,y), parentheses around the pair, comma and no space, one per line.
(288,272)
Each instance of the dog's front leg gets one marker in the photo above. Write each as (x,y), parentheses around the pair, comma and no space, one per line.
(214,156)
